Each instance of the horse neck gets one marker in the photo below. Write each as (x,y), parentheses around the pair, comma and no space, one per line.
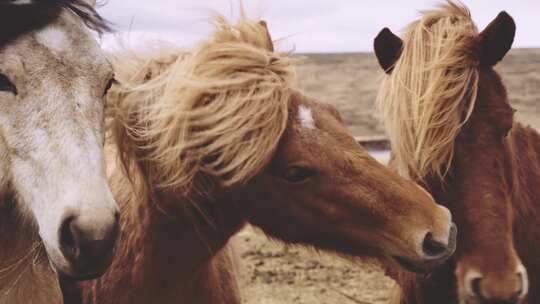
(523,166)
(178,251)
(25,272)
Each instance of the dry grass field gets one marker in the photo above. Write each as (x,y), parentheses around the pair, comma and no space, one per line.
(272,273)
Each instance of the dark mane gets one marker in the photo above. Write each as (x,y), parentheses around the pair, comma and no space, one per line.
(18,17)
(88,14)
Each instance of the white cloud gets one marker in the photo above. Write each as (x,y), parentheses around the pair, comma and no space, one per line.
(310,25)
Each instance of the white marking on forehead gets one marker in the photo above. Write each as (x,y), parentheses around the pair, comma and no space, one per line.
(21,2)
(305,116)
(53,38)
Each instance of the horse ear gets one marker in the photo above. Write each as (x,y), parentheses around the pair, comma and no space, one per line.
(269,42)
(388,48)
(496,39)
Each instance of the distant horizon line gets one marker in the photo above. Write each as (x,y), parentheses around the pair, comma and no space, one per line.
(371,52)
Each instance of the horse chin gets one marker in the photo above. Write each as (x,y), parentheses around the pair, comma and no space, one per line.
(410,265)
(66,271)
(469,301)
(419,267)
(78,278)
(70,273)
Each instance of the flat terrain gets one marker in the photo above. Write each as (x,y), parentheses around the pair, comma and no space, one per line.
(272,273)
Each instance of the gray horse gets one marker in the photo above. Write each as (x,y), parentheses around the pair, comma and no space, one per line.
(53,187)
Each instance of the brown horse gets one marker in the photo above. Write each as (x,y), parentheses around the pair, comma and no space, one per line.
(451,128)
(216,138)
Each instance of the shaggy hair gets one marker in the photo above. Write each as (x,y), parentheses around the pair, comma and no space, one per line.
(19,17)
(212,116)
(431,91)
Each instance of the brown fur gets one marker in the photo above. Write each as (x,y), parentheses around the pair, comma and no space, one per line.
(491,186)
(174,247)
(440,286)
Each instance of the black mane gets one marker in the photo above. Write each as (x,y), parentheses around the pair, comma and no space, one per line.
(17,19)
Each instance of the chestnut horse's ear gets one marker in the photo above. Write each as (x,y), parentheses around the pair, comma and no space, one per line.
(496,39)
(387,49)
(269,42)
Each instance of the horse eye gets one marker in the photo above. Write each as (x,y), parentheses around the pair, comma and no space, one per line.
(109,85)
(297,174)
(6,85)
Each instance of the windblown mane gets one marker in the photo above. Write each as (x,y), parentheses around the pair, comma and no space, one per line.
(212,116)
(431,91)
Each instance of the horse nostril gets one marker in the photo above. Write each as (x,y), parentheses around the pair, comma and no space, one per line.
(475,290)
(433,248)
(522,289)
(475,287)
(87,254)
(68,242)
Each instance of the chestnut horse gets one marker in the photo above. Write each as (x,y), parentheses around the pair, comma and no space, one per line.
(57,213)
(451,129)
(216,138)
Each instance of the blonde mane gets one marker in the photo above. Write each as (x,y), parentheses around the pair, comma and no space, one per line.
(431,91)
(212,116)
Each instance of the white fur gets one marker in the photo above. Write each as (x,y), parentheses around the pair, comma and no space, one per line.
(51,133)
(22,2)
(68,176)
(53,38)
(305,116)
(524,280)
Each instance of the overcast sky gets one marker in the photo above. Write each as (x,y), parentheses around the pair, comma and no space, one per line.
(307,25)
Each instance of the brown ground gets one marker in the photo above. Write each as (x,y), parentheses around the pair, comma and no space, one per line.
(272,273)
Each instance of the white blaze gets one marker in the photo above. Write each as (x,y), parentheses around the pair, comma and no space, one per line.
(305,116)
(21,2)
(53,38)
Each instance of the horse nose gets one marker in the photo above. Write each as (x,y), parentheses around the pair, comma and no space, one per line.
(485,294)
(433,248)
(439,247)
(485,299)
(89,253)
